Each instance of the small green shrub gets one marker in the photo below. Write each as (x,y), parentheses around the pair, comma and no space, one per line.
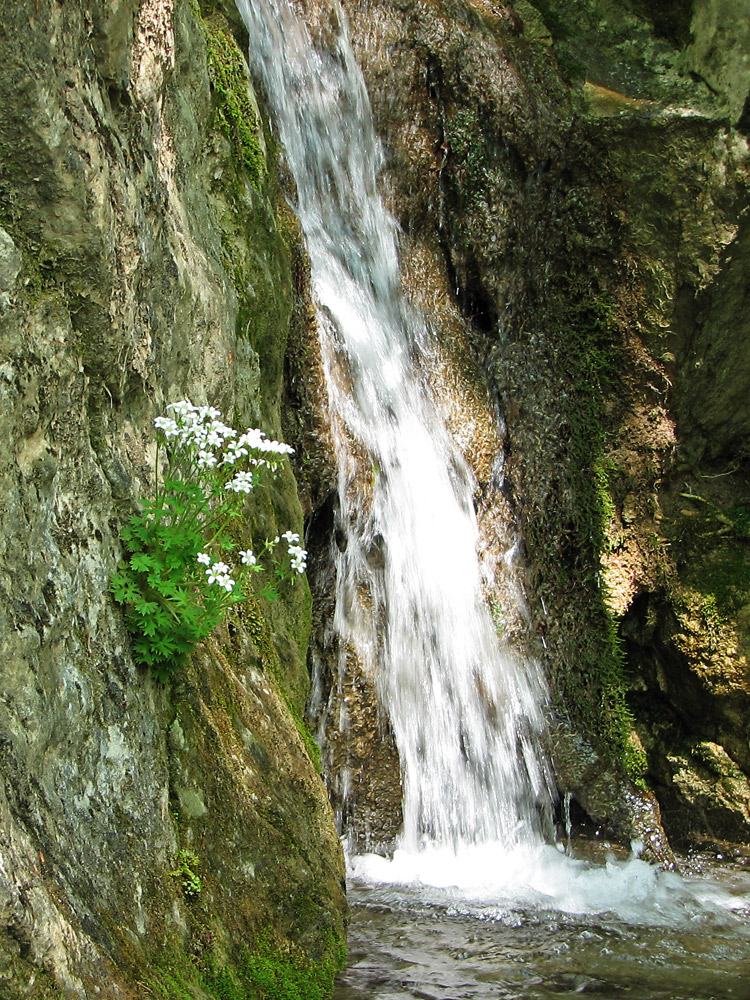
(186,863)
(173,584)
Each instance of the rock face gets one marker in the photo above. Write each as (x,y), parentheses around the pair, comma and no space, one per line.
(169,841)
(572,183)
(571,177)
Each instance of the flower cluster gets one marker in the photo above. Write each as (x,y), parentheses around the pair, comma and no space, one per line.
(196,435)
(195,427)
(242,482)
(200,429)
(254,440)
(175,583)
(297,555)
(216,572)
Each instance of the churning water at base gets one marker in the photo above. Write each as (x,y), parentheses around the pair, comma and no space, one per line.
(485,880)
(657,937)
(466,717)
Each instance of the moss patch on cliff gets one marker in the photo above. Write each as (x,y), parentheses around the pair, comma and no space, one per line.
(236,113)
(269,972)
(593,687)
(711,546)
(266,971)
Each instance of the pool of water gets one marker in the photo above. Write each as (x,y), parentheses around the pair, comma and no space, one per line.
(687,939)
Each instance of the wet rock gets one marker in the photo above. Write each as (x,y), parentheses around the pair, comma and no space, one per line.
(629,813)
(10,267)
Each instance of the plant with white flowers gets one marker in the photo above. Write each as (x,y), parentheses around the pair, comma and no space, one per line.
(175,582)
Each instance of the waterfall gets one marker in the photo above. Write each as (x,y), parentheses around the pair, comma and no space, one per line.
(467,716)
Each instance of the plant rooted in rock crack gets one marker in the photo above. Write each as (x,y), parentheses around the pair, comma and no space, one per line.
(174,585)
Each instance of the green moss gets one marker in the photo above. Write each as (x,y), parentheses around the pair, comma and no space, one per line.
(312,748)
(268,971)
(592,687)
(172,982)
(670,18)
(726,577)
(256,624)
(33,983)
(605,505)
(723,578)
(466,139)
(236,114)
(554,22)
(711,544)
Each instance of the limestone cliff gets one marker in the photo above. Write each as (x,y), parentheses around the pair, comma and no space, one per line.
(162,841)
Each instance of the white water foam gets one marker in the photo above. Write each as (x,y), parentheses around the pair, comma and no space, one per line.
(489,881)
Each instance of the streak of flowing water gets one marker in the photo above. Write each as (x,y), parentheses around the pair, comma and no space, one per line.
(466,716)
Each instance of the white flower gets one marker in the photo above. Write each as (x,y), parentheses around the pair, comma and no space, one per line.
(242,482)
(204,558)
(182,408)
(298,558)
(219,574)
(206,460)
(257,440)
(252,438)
(168,426)
(232,452)
(248,558)
(290,536)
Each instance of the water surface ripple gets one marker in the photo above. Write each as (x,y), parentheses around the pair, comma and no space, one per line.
(686,939)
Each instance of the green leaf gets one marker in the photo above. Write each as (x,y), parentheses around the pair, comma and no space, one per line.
(123,590)
(141,562)
(148,626)
(164,646)
(146,608)
(144,652)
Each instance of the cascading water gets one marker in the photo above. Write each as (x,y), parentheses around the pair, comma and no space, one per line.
(466,717)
